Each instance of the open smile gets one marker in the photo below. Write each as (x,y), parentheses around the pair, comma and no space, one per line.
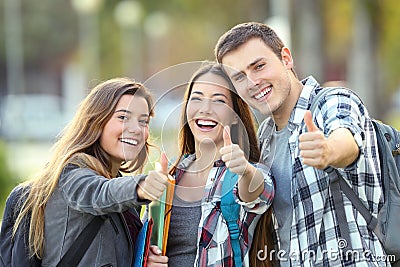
(129,141)
(206,124)
(263,93)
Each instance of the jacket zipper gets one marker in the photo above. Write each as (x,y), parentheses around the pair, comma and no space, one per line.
(128,234)
(113,225)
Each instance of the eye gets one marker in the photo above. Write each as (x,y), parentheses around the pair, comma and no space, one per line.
(220,101)
(123,117)
(144,122)
(239,78)
(195,98)
(259,66)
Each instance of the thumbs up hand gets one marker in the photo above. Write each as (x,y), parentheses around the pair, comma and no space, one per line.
(232,154)
(156,181)
(313,145)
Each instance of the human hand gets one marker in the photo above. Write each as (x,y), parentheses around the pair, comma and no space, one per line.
(233,155)
(155,258)
(156,181)
(313,145)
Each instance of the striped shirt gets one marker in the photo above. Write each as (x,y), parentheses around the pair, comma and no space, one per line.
(214,247)
(314,233)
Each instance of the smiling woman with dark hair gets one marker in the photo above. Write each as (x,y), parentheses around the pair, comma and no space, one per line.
(217,145)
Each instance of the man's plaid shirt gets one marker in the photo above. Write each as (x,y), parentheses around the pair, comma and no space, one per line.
(315,237)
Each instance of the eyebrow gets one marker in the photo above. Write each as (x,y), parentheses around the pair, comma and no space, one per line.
(216,94)
(123,110)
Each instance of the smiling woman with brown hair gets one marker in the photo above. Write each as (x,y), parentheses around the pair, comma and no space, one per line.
(83,180)
(217,146)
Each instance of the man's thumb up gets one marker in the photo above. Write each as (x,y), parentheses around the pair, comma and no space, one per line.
(311,127)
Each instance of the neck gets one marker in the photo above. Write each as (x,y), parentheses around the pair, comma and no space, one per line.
(206,155)
(114,170)
(282,114)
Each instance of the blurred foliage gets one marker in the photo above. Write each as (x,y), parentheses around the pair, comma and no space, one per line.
(7,179)
(50,34)
(390,43)
(50,31)
(337,19)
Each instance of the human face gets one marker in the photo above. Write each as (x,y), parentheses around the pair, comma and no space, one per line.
(259,76)
(125,134)
(209,109)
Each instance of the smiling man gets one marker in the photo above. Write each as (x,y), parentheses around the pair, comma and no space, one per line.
(299,146)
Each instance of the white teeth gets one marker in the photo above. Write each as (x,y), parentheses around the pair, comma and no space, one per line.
(262,93)
(129,141)
(206,123)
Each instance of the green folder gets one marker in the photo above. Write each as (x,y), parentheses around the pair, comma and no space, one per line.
(157,212)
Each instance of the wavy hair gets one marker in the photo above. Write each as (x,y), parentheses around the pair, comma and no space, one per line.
(244,134)
(79,144)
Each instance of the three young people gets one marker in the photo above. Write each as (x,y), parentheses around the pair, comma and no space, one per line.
(339,134)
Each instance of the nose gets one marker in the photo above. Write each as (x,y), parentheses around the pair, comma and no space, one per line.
(205,106)
(133,127)
(252,80)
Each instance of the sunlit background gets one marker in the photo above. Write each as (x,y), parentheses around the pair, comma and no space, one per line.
(53,51)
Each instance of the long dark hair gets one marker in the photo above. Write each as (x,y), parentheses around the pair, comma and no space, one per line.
(242,133)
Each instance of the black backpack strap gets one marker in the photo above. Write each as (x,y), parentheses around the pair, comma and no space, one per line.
(75,253)
(340,184)
(334,180)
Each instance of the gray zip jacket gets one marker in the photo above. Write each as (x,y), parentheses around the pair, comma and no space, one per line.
(80,195)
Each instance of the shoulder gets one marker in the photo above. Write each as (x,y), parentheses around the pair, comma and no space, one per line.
(335,94)
(74,170)
(341,101)
(17,194)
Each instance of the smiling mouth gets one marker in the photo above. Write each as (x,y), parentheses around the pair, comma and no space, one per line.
(263,93)
(206,124)
(128,141)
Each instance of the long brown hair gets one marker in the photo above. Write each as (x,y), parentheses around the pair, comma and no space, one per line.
(262,241)
(79,144)
(244,134)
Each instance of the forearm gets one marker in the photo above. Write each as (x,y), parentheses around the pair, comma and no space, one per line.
(343,148)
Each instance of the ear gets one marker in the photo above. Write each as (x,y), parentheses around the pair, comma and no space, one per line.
(287,57)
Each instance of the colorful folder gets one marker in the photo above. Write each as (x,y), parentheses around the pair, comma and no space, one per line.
(143,244)
(160,212)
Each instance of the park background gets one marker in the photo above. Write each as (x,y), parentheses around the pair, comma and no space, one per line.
(53,51)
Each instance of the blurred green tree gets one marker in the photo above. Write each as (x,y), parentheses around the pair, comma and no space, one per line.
(7,181)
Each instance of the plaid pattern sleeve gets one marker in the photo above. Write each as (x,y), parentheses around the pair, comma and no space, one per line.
(314,235)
